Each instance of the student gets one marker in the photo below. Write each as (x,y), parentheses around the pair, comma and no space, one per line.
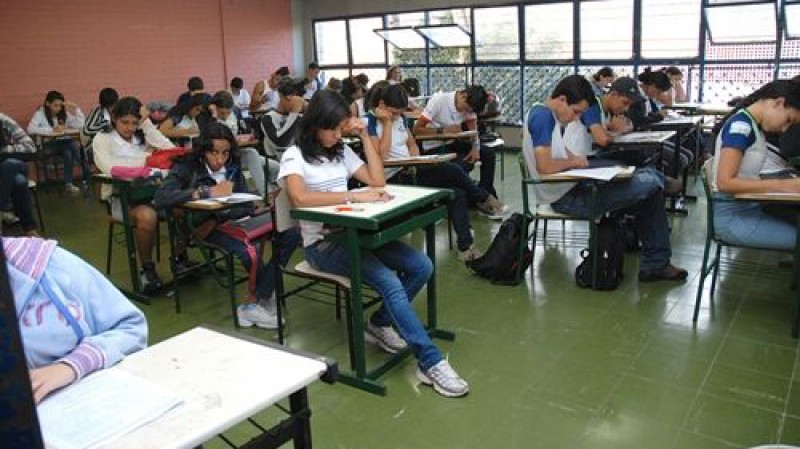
(196,87)
(100,117)
(181,122)
(264,94)
(241,98)
(212,170)
(413,89)
(601,79)
(390,137)
(57,115)
(677,93)
(72,320)
(334,84)
(450,112)
(221,109)
(14,174)
(127,142)
(352,91)
(314,80)
(279,125)
(394,74)
(315,173)
(741,151)
(546,152)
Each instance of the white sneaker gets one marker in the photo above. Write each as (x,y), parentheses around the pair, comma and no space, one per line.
(493,208)
(385,337)
(444,380)
(71,188)
(470,253)
(253,314)
(9,218)
(271,306)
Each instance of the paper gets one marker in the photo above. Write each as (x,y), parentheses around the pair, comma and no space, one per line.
(643,137)
(601,173)
(101,408)
(236,198)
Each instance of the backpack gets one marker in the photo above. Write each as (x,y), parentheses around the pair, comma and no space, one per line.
(249,230)
(499,264)
(610,258)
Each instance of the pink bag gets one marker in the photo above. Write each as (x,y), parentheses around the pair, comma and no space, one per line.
(130,172)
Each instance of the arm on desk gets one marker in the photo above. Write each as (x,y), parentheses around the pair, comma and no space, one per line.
(176,188)
(546,164)
(729,182)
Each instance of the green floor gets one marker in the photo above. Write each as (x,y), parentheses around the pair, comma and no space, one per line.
(550,365)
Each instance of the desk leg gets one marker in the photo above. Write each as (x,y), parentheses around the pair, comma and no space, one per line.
(357,356)
(433,326)
(676,203)
(298,405)
(796,280)
(130,244)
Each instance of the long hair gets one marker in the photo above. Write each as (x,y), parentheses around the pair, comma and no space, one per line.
(326,110)
(126,106)
(52,96)
(182,109)
(205,143)
(395,96)
(374,94)
(789,90)
(107,97)
(658,79)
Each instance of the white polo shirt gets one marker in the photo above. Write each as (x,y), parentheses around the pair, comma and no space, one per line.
(441,111)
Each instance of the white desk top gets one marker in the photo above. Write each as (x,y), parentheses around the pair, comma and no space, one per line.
(222,379)
(402,195)
(644,137)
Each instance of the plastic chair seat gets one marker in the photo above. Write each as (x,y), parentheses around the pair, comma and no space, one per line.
(305,268)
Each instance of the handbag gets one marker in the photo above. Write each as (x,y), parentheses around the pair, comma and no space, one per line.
(162,158)
(249,230)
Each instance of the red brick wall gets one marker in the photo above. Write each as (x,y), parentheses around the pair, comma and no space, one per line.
(145,48)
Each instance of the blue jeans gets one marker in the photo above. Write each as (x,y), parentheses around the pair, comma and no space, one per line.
(69,150)
(265,275)
(747,224)
(397,272)
(14,187)
(642,196)
(488,163)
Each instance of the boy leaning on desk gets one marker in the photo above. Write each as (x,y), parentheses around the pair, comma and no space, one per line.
(547,150)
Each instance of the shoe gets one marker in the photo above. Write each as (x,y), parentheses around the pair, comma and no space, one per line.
(148,277)
(254,314)
(493,208)
(668,273)
(444,380)
(672,186)
(271,306)
(9,219)
(71,189)
(469,254)
(385,337)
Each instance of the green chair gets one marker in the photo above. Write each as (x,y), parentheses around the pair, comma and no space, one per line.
(711,267)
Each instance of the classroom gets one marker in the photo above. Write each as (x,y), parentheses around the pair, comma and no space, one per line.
(377,224)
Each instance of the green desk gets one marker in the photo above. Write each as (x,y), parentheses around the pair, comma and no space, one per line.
(370,227)
(127,193)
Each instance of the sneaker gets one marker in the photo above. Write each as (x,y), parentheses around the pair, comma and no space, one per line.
(9,219)
(444,380)
(470,253)
(493,208)
(148,277)
(668,273)
(254,314)
(72,189)
(385,337)
(271,306)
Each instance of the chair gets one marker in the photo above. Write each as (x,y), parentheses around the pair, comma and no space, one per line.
(712,267)
(543,212)
(34,189)
(115,217)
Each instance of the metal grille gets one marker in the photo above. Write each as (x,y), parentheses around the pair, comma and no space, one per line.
(504,81)
(790,49)
(724,82)
(722,52)
(539,82)
(420,73)
(788,71)
(447,79)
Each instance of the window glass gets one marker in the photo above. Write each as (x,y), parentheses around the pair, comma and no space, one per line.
(606,29)
(726,25)
(331,41)
(366,46)
(548,31)
(497,34)
(661,38)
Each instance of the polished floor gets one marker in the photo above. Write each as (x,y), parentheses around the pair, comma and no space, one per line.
(550,365)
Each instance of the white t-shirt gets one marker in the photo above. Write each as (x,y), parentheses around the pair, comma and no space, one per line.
(327,176)
(441,111)
(242,101)
(399,145)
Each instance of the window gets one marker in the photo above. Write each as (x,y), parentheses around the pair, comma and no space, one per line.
(548,32)
(445,35)
(792,20)
(607,29)
(661,38)
(449,17)
(331,41)
(366,46)
(726,25)
(497,34)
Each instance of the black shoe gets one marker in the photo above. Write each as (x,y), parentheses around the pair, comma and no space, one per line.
(667,273)
(148,277)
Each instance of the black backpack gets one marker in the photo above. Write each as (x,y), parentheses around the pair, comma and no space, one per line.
(499,264)
(610,258)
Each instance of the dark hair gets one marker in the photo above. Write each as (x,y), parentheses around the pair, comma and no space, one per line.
(789,90)
(350,86)
(374,94)
(335,84)
(412,87)
(363,79)
(52,96)
(576,89)
(237,83)
(476,97)
(395,96)
(325,111)
(672,70)
(796,79)
(181,109)
(126,106)
(108,97)
(658,79)
(282,71)
(222,99)
(205,142)
(392,71)
(195,83)
(313,65)
(603,73)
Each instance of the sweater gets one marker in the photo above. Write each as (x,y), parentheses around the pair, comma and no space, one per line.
(13,139)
